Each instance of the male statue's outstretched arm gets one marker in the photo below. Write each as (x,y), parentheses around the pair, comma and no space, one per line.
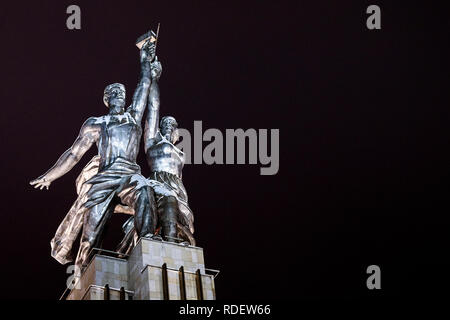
(140,95)
(89,134)
(152,120)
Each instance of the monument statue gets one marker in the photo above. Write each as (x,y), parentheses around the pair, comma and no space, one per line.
(158,244)
(112,178)
(175,220)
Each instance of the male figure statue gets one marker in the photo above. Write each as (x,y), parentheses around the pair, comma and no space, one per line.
(118,180)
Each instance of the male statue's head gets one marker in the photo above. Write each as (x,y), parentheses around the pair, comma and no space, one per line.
(168,127)
(114,98)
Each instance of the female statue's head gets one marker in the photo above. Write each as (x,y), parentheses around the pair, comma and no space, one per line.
(168,127)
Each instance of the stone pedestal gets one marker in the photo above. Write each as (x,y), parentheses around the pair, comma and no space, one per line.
(154,270)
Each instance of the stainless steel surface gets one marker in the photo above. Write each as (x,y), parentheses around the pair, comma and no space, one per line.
(117,180)
(112,181)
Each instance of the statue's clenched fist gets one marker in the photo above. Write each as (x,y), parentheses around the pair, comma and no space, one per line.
(148,51)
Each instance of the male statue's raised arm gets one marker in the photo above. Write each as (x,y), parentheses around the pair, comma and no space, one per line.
(88,135)
(152,119)
(140,95)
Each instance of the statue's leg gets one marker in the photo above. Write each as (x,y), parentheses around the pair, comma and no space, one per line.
(184,233)
(145,212)
(142,200)
(168,212)
(93,224)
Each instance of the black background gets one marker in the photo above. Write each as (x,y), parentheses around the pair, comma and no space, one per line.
(363,118)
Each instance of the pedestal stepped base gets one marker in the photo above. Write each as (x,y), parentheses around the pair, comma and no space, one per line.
(154,270)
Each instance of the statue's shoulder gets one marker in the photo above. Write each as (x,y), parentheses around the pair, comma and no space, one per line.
(152,142)
(92,124)
(97,120)
(158,138)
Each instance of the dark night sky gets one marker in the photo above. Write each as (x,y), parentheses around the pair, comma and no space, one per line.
(363,118)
